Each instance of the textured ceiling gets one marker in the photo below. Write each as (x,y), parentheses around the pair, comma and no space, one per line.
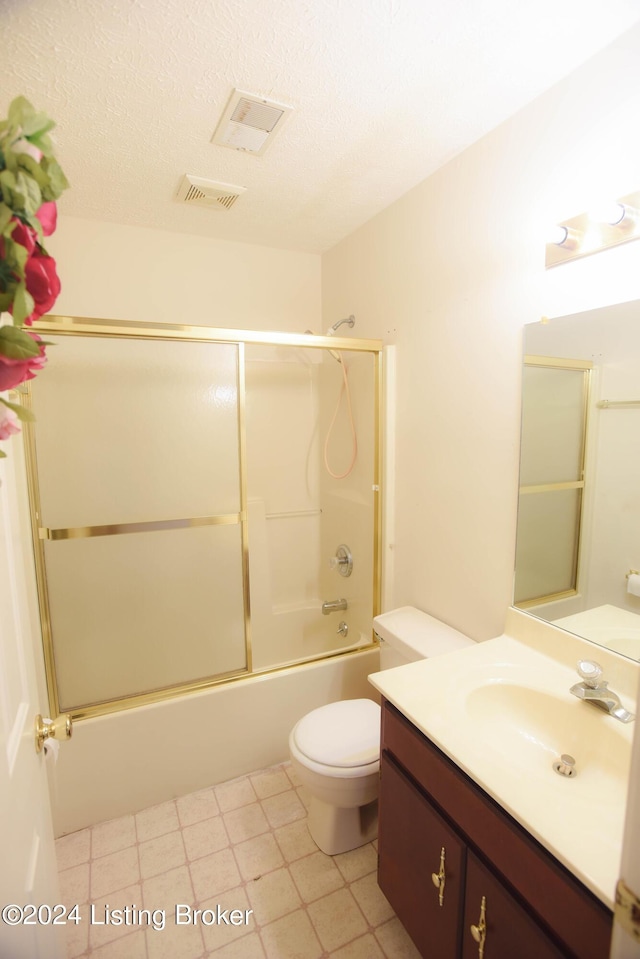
(384,91)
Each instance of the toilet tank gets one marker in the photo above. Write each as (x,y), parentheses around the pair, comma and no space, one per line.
(407,635)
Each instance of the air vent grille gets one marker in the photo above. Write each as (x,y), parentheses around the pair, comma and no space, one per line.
(195,190)
(249,123)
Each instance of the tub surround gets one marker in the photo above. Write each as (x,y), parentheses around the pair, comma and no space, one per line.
(472,704)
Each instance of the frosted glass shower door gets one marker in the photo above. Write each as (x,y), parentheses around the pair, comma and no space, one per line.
(552,454)
(141,516)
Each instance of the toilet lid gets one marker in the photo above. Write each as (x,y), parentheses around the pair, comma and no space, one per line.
(341,734)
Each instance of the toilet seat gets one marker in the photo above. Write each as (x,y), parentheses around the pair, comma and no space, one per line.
(343,735)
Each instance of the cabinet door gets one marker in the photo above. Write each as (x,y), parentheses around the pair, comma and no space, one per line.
(411,840)
(510,931)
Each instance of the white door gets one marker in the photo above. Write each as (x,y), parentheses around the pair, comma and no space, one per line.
(27,858)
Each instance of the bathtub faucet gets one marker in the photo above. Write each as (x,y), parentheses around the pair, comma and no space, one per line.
(333,605)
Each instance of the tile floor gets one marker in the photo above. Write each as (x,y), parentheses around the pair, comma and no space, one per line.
(242,845)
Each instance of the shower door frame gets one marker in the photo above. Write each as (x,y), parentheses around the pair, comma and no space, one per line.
(59,325)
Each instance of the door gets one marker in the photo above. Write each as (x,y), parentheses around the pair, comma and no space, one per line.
(414,845)
(28,872)
(496,926)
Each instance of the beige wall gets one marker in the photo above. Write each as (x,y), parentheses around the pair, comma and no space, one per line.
(132,273)
(450,273)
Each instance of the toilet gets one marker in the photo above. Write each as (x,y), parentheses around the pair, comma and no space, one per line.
(335,749)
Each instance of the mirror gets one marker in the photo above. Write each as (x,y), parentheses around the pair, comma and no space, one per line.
(578,537)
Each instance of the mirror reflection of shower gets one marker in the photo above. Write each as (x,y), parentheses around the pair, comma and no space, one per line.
(344,390)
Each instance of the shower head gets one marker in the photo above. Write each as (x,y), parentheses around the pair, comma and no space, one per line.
(335,355)
(349,320)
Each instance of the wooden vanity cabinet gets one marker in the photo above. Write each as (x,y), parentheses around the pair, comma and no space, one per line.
(431,811)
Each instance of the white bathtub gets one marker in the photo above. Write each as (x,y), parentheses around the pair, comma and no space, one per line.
(126,761)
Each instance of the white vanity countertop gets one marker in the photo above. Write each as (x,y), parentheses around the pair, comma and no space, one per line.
(502,711)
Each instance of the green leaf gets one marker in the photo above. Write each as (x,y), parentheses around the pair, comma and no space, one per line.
(17,254)
(29,189)
(5,215)
(17,345)
(23,414)
(6,299)
(58,181)
(43,142)
(22,305)
(33,168)
(7,188)
(20,111)
(39,123)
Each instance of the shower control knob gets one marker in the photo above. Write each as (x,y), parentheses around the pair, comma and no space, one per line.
(342,561)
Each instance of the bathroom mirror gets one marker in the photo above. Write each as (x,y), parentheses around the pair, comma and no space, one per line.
(578,538)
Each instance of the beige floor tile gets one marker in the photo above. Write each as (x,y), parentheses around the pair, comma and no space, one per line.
(316,876)
(77,934)
(116,871)
(108,837)
(245,823)
(295,840)
(214,874)
(292,774)
(103,928)
(291,937)
(365,947)
(283,809)
(371,899)
(395,941)
(203,838)
(337,919)
(357,862)
(232,795)
(197,806)
(74,885)
(304,796)
(175,942)
(168,889)
(132,946)
(158,855)
(273,896)
(156,821)
(220,934)
(248,948)
(270,781)
(257,856)
(73,849)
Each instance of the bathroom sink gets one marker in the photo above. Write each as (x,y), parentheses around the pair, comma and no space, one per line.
(530,729)
(504,713)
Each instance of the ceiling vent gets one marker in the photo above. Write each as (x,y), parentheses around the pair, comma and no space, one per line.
(250,123)
(196,191)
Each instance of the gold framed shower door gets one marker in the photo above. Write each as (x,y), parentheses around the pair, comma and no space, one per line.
(121,329)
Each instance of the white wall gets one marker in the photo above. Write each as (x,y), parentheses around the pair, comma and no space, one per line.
(133,273)
(451,272)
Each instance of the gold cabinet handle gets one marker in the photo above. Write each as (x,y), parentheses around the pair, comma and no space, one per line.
(479,932)
(438,879)
(59,728)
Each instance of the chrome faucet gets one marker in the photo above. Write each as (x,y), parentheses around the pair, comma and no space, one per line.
(332,605)
(594,689)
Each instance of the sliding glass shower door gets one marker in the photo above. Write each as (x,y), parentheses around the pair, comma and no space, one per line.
(184,513)
(140,513)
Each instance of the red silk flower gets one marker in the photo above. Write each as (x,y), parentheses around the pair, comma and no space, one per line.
(13,372)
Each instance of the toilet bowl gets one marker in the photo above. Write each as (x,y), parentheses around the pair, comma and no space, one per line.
(335,749)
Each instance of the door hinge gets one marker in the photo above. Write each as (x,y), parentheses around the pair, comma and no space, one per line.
(627,910)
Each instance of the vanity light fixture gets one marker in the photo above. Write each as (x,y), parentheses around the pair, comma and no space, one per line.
(613,223)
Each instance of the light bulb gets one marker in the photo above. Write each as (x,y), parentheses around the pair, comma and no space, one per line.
(557,235)
(612,213)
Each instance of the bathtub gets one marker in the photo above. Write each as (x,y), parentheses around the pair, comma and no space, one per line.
(120,763)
